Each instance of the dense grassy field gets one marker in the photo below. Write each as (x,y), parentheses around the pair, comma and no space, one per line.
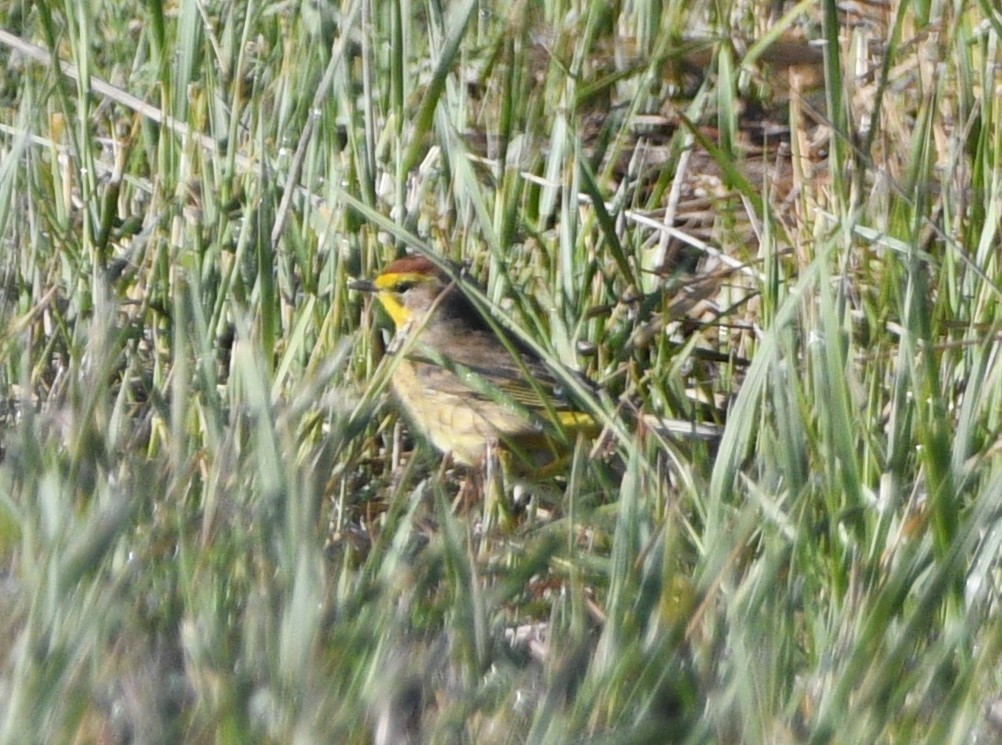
(783,218)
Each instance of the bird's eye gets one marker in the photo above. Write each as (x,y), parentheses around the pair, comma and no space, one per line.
(404,285)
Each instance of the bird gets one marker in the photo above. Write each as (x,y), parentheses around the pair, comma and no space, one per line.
(467,384)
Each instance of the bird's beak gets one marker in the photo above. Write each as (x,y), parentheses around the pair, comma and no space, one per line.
(362,285)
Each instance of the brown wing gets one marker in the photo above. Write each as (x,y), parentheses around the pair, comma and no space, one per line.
(481,368)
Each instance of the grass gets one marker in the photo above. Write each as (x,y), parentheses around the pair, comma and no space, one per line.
(213,526)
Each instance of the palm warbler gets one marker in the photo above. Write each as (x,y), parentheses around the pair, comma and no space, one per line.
(467,387)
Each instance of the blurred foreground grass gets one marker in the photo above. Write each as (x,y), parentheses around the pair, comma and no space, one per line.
(214,529)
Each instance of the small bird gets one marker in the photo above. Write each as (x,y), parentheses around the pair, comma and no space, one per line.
(466,384)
